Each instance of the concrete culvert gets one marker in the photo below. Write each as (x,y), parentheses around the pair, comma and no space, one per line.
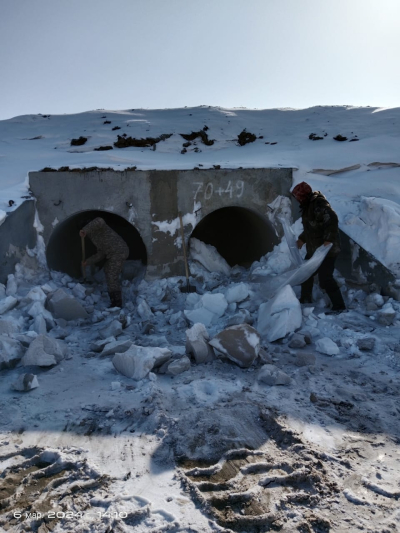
(64,252)
(240,235)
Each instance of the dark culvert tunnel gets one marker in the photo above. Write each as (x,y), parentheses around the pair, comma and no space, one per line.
(240,235)
(64,251)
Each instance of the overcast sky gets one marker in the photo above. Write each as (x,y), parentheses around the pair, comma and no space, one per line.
(68,56)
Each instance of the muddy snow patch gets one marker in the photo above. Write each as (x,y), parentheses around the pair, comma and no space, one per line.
(264,479)
(41,489)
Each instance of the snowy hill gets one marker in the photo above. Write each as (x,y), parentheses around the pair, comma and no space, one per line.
(366,196)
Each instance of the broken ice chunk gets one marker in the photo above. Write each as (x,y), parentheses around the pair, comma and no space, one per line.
(63,305)
(138,361)
(7,304)
(25,383)
(197,344)
(280,315)
(237,293)
(327,346)
(207,255)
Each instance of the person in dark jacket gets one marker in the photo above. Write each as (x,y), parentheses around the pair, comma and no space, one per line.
(320,227)
(111,247)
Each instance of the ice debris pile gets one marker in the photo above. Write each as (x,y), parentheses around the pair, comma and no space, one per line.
(46,317)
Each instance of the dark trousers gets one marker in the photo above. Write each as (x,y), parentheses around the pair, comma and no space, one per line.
(112,269)
(326,282)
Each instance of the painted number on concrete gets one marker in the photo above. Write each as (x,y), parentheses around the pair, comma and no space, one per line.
(207,190)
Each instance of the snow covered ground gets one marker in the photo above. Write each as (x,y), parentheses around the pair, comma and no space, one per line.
(296,434)
(246,432)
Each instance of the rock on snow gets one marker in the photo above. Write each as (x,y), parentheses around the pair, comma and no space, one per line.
(304,359)
(116,347)
(366,343)
(178,366)
(272,375)
(98,346)
(25,383)
(240,343)
(297,341)
(386,315)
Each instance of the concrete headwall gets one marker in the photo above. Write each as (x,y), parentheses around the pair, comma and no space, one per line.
(148,202)
(152,200)
(16,233)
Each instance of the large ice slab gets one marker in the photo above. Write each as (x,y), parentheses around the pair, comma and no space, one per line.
(207,255)
(280,315)
(65,306)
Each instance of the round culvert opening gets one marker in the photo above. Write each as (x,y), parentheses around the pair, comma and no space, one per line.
(64,250)
(239,235)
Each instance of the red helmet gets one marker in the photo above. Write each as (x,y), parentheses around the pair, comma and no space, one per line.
(301,192)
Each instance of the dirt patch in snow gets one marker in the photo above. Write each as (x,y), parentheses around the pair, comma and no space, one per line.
(195,134)
(126,142)
(78,142)
(42,487)
(246,137)
(250,490)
